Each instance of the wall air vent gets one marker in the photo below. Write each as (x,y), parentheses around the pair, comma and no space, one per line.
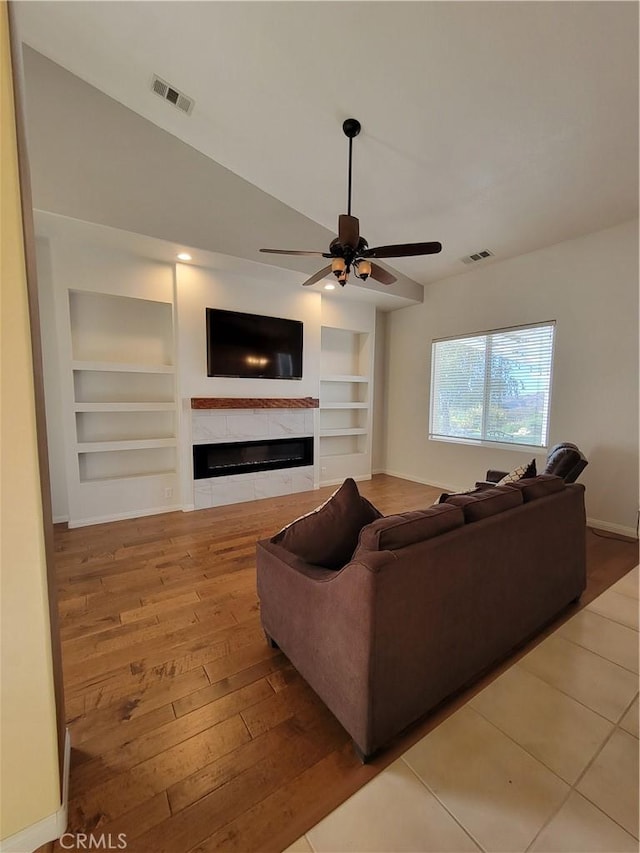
(477,256)
(169,93)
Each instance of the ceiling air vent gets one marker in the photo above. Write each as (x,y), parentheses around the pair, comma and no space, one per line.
(169,93)
(477,256)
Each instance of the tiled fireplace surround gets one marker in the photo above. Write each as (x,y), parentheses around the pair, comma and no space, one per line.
(216,420)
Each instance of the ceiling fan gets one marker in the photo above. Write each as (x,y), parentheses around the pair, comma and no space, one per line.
(349,251)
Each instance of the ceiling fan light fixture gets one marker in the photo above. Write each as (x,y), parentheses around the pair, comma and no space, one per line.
(363,270)
(338,266)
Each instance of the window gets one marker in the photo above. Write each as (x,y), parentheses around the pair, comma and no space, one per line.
(493,386)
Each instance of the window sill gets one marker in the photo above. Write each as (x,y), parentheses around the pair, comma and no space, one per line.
(495,445)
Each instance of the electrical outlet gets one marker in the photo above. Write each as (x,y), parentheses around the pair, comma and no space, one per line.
(168,492)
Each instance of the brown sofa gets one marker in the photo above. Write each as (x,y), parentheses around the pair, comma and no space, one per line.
(429,600)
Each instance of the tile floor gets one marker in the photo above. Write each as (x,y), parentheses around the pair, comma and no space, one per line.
(543,759)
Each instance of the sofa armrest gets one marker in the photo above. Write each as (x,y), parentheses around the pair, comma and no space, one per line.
(314,615)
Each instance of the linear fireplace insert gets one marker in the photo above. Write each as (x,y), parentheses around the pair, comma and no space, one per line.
(241,457)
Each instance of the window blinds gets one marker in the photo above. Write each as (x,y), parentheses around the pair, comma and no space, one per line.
(493,386)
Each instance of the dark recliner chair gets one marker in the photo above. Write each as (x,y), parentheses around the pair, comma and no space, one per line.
(565,460)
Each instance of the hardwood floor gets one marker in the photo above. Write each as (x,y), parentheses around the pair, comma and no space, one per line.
(189,733)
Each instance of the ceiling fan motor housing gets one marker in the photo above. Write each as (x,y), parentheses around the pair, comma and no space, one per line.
(338,250)
(351,127)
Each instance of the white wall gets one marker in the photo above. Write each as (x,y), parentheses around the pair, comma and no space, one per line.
(78,256)
(198,289)
(339,313)
(590,287)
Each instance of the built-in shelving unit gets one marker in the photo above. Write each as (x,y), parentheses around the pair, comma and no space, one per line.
(345,404)
(123,382)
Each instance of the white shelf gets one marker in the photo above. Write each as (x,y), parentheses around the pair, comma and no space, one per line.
(344,405)
(328,433)
(125,367)
(131,444)
(115,478)
(124,407)
(344,378)
(343,455)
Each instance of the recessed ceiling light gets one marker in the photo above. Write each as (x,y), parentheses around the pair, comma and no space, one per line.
(184,256)
(329,286)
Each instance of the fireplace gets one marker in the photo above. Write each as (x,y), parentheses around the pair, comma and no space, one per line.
(241,457)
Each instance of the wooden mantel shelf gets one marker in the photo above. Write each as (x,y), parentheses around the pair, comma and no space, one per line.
(254,403)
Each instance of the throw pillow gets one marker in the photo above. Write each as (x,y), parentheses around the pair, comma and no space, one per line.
(519,473)
(328,535)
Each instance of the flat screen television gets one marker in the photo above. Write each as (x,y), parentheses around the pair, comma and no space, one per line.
(253,346)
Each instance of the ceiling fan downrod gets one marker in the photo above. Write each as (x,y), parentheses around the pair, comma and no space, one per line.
(351,128)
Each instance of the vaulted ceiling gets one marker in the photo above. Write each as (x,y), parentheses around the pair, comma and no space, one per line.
(505,126)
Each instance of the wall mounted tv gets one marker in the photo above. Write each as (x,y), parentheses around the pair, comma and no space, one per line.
(251,346)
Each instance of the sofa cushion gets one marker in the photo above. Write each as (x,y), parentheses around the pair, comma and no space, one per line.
(487,502)
(397,531)
(328,535)
(519,473)
(538,487)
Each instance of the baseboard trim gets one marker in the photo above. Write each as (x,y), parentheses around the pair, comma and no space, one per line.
(121,516)
(49,828)
(60,519)
(360,478)
(413,479)
(610,527)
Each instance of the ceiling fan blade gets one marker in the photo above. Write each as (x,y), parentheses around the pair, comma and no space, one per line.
(323,273)
(348,231)
(382,275)
(295,252)
(402,250)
